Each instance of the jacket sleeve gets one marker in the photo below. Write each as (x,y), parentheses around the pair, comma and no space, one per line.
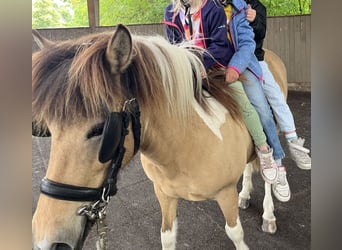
(259,24)
(244,44)
(217,43)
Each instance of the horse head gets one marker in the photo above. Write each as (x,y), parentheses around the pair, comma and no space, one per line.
(94,128)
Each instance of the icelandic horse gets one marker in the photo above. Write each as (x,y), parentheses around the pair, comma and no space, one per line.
(101,98)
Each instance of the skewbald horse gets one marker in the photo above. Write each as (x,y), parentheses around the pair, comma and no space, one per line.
(104,96)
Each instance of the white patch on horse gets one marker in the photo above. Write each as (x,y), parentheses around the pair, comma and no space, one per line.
(215,120)
(236,235)
(44,244)
(168,238)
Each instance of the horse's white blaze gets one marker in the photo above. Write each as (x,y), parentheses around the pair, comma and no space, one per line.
(168,238)
(215,120)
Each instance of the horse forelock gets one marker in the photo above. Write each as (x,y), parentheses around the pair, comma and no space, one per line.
(71,80)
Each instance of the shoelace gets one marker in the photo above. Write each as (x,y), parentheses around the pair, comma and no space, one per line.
(281,177)
(267,163)
(302,155)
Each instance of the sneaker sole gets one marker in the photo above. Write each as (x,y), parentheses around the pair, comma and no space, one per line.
(301,165)
(304,167)
(281,198)
(300,148)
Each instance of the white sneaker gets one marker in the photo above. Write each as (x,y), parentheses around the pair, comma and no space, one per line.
(268,167)
(281,188)
(300,154)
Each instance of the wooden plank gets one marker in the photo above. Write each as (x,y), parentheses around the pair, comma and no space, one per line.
(307,32)
(291,53)
(93,13)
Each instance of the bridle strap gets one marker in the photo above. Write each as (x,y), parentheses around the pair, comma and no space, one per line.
(136,125)
(68,192)
(109,185)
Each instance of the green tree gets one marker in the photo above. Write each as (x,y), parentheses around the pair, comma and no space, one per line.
(48,13)
(73,13)
(131,11)
(80,17)
(288,7)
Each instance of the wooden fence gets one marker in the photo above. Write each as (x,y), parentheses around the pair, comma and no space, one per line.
(288,36)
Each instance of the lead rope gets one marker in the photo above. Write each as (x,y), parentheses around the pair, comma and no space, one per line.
(97,212)
(101,243)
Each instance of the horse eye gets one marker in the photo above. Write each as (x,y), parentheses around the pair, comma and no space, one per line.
(95,131)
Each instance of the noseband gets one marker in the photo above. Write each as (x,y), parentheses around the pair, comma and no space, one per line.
(130,113)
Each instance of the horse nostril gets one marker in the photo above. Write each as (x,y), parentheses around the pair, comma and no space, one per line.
(61,246)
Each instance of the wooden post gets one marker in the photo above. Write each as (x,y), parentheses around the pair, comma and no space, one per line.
(93,13)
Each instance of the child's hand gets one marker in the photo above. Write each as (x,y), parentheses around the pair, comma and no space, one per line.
(231,75)
(250,13)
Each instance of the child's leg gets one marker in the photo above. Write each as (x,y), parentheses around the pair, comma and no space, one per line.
(249,115)
(285,118)
(269,170)
(256,96)
(277,101)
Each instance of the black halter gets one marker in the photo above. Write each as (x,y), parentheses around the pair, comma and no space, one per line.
(62,191)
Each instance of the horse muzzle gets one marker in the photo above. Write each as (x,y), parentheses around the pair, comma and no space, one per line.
(57,226)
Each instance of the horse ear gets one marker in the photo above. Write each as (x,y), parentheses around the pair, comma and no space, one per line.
(41,41)
(119,49)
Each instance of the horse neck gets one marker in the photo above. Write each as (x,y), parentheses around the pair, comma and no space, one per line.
(162,134)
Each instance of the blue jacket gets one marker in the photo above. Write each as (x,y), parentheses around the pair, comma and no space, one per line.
(214,27)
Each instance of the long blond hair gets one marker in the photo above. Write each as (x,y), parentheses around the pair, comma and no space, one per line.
(179,4)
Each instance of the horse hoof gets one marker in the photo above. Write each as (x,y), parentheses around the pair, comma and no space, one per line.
(243,203)
(269,226)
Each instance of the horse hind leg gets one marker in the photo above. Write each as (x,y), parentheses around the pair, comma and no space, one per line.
(228,202)
(247,187)
(168,231)
(268,219)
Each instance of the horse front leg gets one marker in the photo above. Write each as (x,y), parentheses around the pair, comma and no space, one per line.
(247,187)
(228,202)
(168,232)
(268,219)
